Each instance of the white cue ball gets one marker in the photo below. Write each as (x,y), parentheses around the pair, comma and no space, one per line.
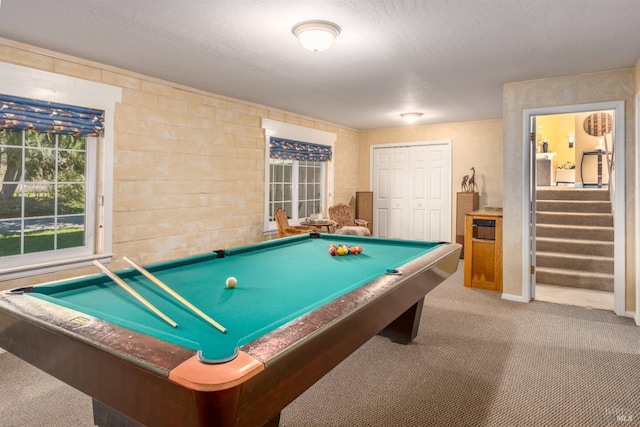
(231,282)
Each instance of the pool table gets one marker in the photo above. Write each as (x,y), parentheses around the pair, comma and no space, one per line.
(294,315)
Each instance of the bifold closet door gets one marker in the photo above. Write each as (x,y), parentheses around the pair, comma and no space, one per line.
(412,192)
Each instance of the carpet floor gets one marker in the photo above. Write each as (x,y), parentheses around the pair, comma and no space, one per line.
(478,360)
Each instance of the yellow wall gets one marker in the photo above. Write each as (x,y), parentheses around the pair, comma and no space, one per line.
(474,144)
(562,91)
(555,129)
(188,165)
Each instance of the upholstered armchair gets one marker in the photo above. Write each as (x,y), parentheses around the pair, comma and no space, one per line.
(284,229)
(346,223)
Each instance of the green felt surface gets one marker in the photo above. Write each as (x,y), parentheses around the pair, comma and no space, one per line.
(278,281)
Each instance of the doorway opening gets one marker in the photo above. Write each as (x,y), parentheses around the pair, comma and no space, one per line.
(577,205)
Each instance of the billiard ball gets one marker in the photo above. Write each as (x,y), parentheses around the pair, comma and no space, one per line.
(231,282)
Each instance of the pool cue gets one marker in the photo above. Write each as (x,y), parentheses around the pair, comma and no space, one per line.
(133,293)
(174,294)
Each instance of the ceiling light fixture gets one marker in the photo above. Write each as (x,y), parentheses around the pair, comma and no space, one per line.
(316,35)
(411,117)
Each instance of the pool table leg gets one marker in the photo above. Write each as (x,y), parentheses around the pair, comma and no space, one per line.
(405,328)
(104,416)
(273,422)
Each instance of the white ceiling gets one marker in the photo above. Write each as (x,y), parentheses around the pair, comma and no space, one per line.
(445,58)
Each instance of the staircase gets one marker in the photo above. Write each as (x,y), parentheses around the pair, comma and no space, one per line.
(574,238)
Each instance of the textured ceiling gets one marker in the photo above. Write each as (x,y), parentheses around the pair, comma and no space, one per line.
(445,58)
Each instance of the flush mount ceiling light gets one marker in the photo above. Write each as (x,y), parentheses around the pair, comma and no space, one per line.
(316,35)
(411,117)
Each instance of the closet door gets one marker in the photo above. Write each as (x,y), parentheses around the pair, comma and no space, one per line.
(400,194)
(412,192)
(391,193)
(381,178)
(437,195)
(418,176)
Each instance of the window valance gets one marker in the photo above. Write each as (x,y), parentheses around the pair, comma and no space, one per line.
(287,149)
(50,117)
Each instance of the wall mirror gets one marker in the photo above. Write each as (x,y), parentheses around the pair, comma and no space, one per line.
(598,124)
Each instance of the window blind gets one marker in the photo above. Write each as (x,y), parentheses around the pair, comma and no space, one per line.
(287,149)
(50,117)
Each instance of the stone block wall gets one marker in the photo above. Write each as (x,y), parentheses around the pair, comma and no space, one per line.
(188,165)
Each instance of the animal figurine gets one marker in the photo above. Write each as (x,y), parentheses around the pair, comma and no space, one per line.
(471,183)
(465,179)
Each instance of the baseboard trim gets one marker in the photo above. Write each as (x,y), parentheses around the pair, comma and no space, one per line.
(516,298)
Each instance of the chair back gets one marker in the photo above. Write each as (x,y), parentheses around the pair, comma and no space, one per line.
(282,221)
(342,215)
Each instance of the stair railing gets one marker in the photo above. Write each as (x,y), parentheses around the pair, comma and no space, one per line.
(610,158)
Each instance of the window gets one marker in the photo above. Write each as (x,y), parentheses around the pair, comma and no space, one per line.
(56,201)
(308,177)
(47,194)
(298,171)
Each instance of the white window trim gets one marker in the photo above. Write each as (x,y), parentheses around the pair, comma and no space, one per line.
(273,128)
(27,82)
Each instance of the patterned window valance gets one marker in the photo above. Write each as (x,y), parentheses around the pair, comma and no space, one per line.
(288,149)
(49,117)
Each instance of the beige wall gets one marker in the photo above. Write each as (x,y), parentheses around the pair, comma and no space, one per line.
(561,91)
(474,144)
(637,189)
(188,165)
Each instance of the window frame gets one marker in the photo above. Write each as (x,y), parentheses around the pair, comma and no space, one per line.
(296,186)
(27,82)
(276,129)
(90,207)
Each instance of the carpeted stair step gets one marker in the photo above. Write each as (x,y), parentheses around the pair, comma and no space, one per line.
(575,279)
(572,194)
(561,218)
(574,238)
(575,232)
(586,263)
(574,246)
(576,206)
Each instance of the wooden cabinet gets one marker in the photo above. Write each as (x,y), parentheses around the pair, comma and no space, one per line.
(465,202)
(483,250)
(364,207)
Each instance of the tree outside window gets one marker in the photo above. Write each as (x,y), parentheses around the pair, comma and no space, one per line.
(43,191)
